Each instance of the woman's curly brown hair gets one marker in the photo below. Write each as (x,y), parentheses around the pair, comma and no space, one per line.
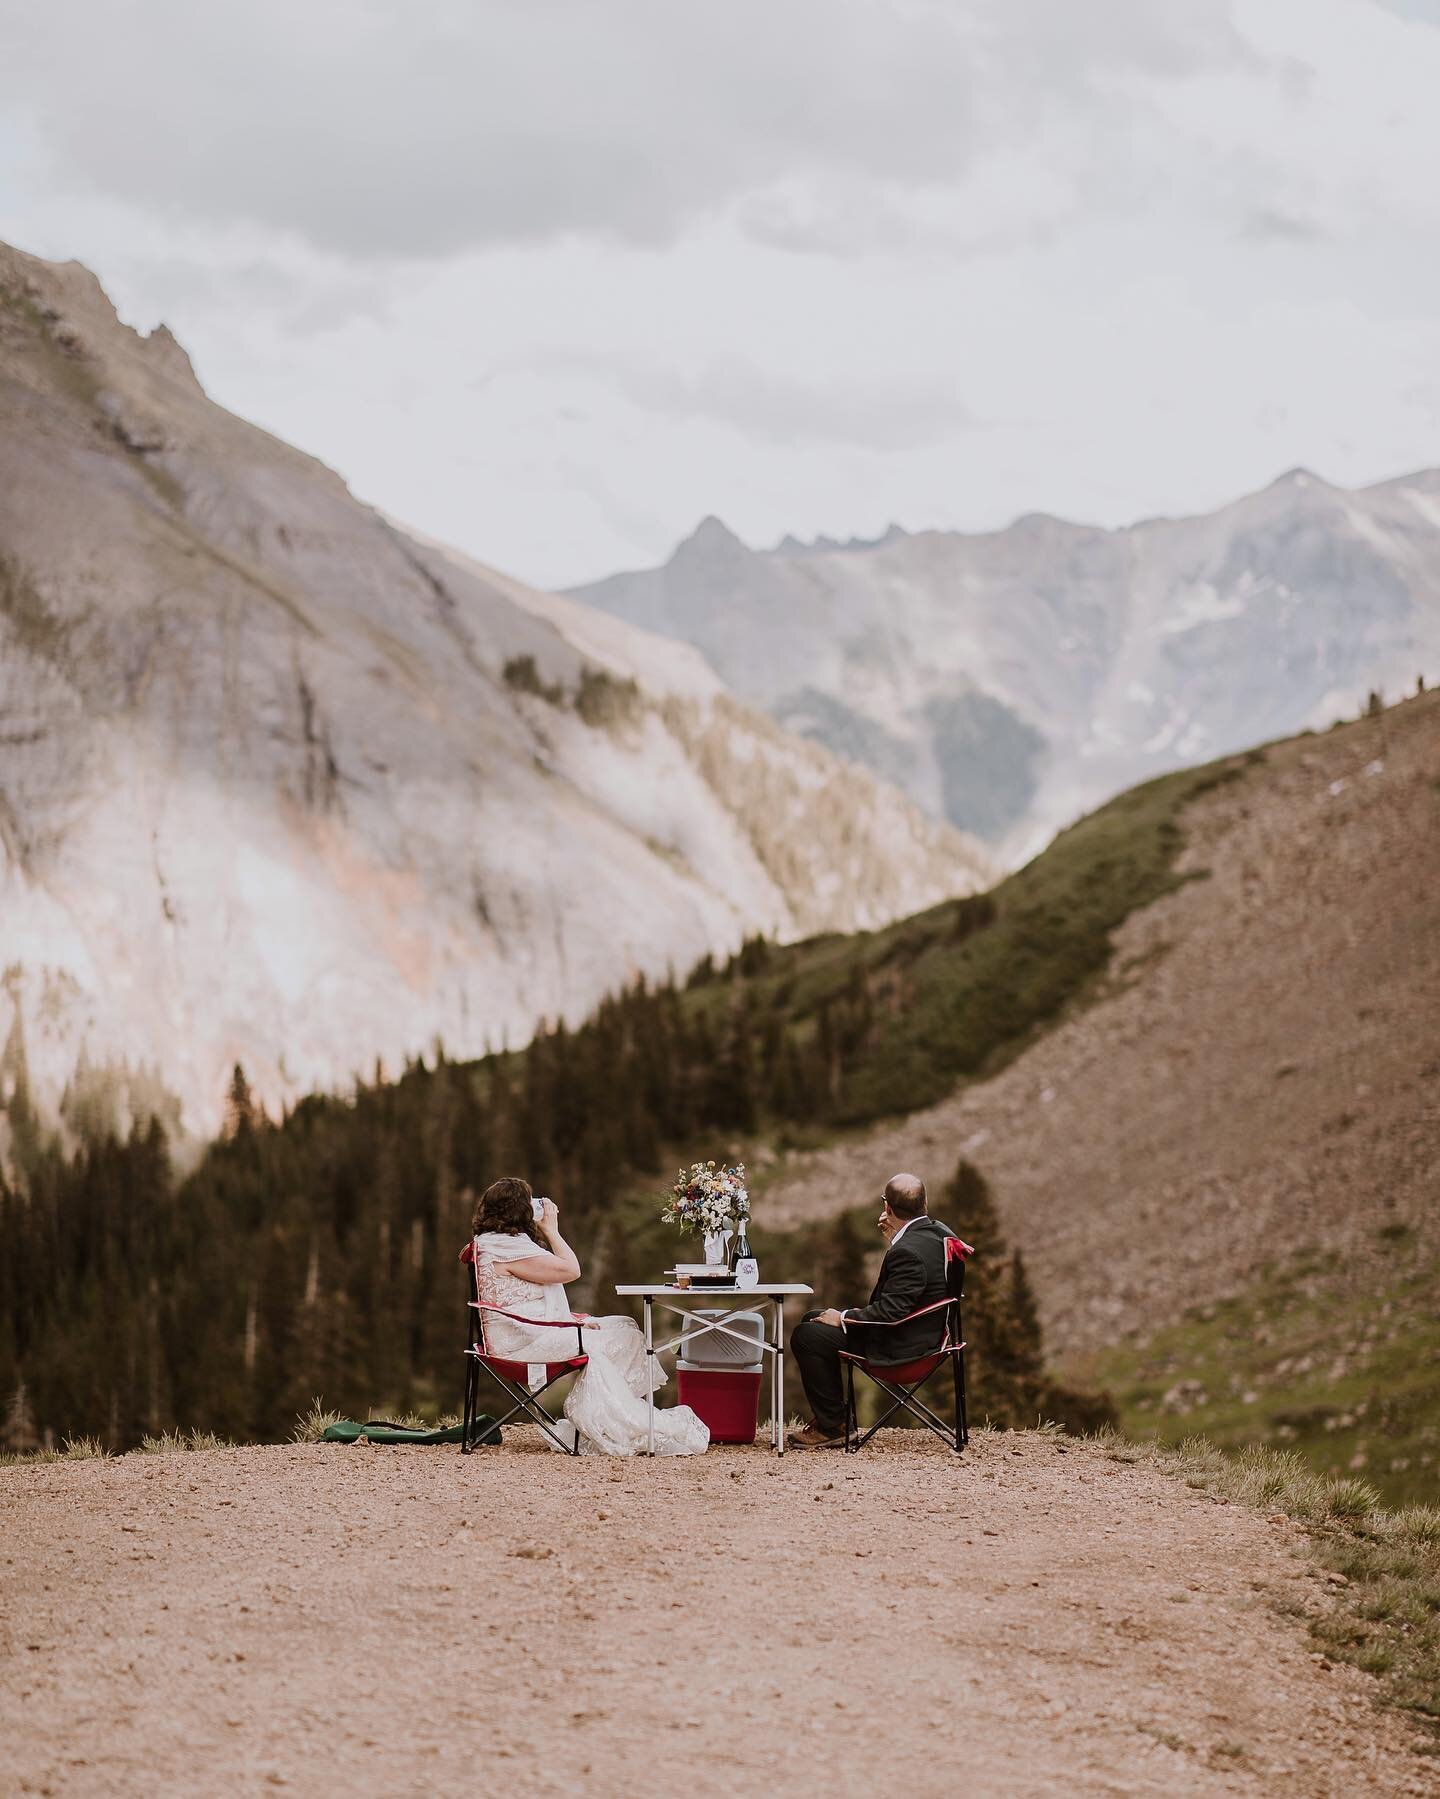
(505,1206)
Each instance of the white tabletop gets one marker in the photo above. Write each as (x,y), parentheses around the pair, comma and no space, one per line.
(765,1290)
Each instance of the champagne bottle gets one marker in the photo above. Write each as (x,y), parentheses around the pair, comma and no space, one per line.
(742,1258)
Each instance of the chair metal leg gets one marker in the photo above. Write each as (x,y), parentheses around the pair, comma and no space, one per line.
(850,1427)
(907,1399)
(472,1391)
(529,1403)
(962,1421)
(902,1399)
(537,1415)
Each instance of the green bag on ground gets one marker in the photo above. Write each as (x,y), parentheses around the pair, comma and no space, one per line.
(380,1430)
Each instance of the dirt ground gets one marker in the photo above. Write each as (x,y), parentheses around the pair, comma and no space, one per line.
(1262,1078)
(1032,1619)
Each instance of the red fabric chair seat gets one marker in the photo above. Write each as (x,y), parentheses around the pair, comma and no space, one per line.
(520,1371)
(906,1373)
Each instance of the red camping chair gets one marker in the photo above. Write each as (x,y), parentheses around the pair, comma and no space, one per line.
(511,1377)
(902,1381)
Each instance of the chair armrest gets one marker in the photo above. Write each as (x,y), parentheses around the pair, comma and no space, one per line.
(484,1305)
(567,1323)
(885,1324)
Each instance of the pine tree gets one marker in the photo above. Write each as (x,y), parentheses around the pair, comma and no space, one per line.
(842,1252)
(1005,1361)
(1026,1337)
(1015,1376)
(997,1351)
(239,1106)
(730,1090)
(827,1058)
(20,1433)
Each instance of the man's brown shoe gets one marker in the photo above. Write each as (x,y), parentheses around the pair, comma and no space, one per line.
(812,1437)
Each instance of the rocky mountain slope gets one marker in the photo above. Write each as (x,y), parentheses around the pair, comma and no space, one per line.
(281,784)
(1246,1116)
(1012,679)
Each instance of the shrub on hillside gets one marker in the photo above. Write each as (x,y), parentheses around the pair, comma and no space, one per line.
(604,700)
(522,675)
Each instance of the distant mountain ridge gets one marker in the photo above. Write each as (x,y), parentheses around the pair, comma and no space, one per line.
(794,546)
(1010,680)
(283,784)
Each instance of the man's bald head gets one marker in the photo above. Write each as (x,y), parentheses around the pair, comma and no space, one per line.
(905,1195)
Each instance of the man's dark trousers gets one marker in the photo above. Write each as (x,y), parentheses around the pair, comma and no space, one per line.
(816,1348)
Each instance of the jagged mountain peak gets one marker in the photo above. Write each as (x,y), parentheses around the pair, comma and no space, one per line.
(821,545)
(711,542)
(1041,524)
(166,350)
(1011,679)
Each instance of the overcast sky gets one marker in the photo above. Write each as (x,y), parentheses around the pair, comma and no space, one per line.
(552,279)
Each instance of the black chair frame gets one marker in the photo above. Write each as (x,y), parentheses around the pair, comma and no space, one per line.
(901,1381)
(524,1400)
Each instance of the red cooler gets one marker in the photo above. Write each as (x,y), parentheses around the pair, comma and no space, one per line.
(728,1400)
(719,1375)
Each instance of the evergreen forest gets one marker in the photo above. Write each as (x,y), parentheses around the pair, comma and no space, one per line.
(315,1254)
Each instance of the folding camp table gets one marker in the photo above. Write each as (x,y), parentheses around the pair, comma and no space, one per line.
(679,1299)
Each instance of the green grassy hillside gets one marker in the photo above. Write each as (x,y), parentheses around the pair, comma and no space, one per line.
(847,1030)
(1341,1364)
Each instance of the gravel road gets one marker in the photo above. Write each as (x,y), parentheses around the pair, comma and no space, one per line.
(1033,1619)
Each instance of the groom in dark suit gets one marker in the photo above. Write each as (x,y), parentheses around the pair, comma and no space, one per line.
(912,1275)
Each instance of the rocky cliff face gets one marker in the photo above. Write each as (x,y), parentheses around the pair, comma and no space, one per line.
(281,784)
(1011,680)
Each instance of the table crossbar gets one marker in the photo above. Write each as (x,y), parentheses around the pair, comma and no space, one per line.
(773,1344)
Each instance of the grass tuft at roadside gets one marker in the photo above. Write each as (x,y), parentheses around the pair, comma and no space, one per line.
(180,1442)
(313,1422)
(1383,1565)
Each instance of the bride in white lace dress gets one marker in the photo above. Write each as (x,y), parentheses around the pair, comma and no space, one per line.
(522,1264)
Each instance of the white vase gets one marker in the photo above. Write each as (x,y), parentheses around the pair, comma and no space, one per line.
(715,1249)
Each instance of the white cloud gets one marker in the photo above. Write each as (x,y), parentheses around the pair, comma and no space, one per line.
(554,280)
(375,129)
(1426,11)
(774,408)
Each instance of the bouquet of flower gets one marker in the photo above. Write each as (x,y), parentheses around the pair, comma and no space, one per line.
(705,1198)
